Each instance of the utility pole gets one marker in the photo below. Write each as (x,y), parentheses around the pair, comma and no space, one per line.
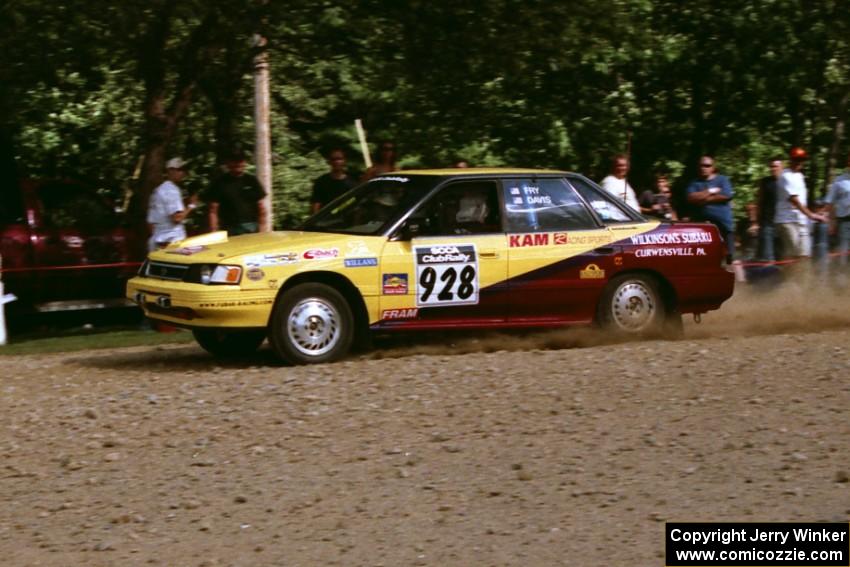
(262,147)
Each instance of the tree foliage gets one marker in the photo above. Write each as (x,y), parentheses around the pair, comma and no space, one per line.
(92,89)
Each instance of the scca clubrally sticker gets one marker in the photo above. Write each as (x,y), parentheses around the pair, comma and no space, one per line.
(446,274)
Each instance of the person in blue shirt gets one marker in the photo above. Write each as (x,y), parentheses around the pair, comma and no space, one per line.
(838,204)
(710,197)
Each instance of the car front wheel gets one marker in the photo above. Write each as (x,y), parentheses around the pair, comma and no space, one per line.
(311,323)
(227,343)
(632,305)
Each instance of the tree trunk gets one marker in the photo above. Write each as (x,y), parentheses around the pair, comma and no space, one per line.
(837,137)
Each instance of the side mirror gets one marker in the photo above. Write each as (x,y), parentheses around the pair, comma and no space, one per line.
(409,230)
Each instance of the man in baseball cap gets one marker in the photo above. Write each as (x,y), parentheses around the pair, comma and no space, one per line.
(166,210)
(793,215)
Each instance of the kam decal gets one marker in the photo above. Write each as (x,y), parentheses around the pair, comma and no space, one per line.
(394,284)
(411,313)
(592,272)
(523,240)
(361,262)
(446,274)
(321,253)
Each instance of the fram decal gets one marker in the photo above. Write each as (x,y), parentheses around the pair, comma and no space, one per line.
(361,262)
(411,313)
(523,240)
(693,237)
(592,272)
(395,284)
(321,253)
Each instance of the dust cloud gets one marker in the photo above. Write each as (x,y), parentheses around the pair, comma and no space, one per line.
(792,307)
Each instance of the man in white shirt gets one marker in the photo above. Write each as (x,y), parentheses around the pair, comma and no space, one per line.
(166,211)
(792,213)
(616,183)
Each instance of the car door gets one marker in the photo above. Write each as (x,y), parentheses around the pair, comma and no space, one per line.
(559,255)
(448,268)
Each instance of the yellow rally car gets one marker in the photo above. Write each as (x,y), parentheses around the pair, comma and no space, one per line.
(438,249)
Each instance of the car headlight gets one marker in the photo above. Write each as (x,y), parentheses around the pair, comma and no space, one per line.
(216,274)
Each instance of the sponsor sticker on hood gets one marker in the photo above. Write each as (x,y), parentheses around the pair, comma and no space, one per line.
(321,253)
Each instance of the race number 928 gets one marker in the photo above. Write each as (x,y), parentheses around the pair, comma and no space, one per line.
(446,274)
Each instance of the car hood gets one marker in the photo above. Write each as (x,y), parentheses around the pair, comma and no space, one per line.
(218,247)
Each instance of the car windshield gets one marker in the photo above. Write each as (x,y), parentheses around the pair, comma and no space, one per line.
(373,207)
(610,210)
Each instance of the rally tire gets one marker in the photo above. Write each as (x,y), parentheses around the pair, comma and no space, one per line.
(632,305)
(223,343)
(311,323)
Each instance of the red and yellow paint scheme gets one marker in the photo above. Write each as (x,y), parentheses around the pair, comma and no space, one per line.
(436,249)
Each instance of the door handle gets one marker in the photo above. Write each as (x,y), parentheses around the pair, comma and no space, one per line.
(604,250)
(489,253)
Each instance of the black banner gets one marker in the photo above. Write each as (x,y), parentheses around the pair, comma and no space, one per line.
(758,544)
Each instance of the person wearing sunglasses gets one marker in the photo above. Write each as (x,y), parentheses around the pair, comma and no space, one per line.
(710,197)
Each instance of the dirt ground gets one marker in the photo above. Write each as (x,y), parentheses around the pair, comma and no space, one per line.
(540,449)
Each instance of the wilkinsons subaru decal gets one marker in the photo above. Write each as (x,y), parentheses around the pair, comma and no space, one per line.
(668,244)
(321,253)
(691,237)
(446,274)
(361,262)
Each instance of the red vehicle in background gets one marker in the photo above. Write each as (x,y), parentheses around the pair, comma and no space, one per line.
(64,247)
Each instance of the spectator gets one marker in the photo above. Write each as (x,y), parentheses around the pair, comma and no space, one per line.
(166,210)
(332,184)
(235,200)
(658,204)
(616,183)
(766,210)
(384,163)
(792,213)
(710,198)
(838,204)
(459,162)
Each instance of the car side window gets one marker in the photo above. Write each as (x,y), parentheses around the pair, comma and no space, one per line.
(538,205)
(608,209)
(463,207)
(68,206)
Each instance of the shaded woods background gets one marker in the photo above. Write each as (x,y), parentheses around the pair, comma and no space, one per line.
(107,91)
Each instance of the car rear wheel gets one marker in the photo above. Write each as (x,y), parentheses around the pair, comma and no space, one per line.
(311,323)
(228,343)
(632,305)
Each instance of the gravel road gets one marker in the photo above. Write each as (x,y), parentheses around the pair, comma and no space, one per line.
(542,449)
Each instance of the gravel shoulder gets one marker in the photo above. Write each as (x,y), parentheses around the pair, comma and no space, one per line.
(517,453)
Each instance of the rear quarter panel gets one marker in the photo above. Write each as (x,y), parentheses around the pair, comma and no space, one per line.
(689,256)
